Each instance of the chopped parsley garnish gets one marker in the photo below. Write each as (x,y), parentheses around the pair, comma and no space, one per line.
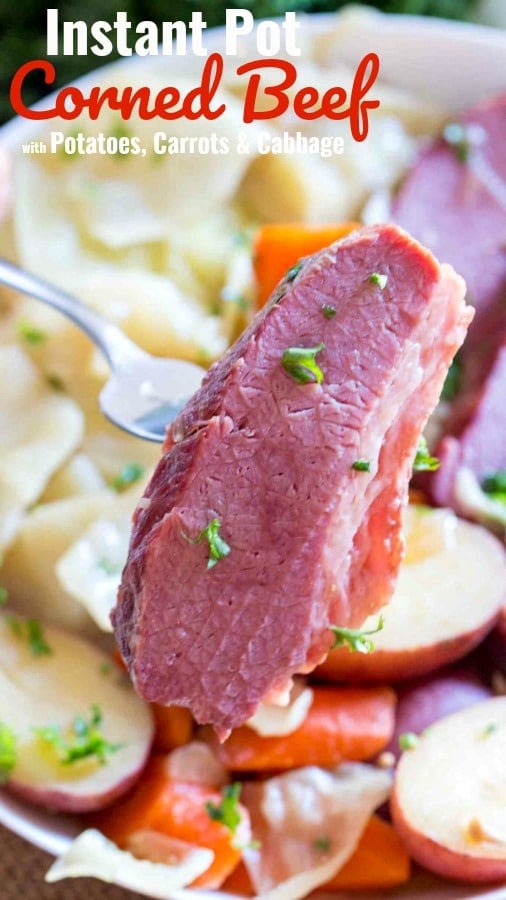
(423,461)
(490,728)
(218,547)
(7,751)
(457,137)
(361,465)
(300,363)
(129,474)
(30,333)
(380,280)
(241,301)
(328,311)
(293,271)
(453,379)
(356,640)
(30,630)
(85,741)
(107,566)
(495,485)
(35,635)
(3,596)
(408,740)
(322,844)
(227,812)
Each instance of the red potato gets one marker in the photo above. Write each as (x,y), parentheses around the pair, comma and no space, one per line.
(494,648)
(56,681)
(448,597)
(449,797)
(425,700)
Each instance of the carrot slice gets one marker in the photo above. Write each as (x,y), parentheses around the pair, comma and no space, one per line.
(342,723)
(238,882)
(173,726)
(380,861)
(177,809)
(277,247)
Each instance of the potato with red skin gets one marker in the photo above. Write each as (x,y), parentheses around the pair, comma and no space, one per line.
(494,647)
(448,597)
(424,701)
(449,797)
(46,687)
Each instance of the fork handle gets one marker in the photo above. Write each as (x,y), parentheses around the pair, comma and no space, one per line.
(113,343)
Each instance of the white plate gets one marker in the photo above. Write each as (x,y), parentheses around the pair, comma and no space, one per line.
(454,64)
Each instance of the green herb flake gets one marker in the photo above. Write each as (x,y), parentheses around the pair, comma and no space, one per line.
(105,565)
(408,740)
(490,728)
(322,844)
(36,639)
(85,741)
(227,812)
(494,484)
(31,631)
(361,465)
(380,280)
(457,137)
(7,751)
(453,380)
(129,474)
(241,301)
(30,333)
(300,363)
(357,641)
(423,461)
(328,311)
(218,547)
(293,271)
(4,596)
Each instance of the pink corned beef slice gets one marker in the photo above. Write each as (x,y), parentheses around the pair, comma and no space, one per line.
(256,532)
(454,201)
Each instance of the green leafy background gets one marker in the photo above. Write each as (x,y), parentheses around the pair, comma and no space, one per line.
(23,27)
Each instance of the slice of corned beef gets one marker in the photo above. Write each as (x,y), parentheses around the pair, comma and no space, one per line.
(476,441)
(310,540)
(454,201)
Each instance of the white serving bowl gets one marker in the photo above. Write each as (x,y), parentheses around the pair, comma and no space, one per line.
(453,64)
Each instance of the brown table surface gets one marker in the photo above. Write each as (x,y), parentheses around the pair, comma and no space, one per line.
(22,870)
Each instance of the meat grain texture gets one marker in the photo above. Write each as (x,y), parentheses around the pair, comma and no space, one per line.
(454,201)
(313,541)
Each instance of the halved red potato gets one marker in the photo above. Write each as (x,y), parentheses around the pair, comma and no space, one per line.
(81,735)
(449,797)
(494,648)
(451,587)
(428,699)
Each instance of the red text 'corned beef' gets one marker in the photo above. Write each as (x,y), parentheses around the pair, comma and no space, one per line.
(258,530)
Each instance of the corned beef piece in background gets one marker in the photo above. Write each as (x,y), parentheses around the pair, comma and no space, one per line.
(454,202)
(312,540)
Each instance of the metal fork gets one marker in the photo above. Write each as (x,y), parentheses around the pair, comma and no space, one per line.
(143,393)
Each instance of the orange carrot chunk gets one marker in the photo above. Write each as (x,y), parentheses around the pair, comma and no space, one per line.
(180,810)
(277,247)
(173,726)
(379,862)
(343,723)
